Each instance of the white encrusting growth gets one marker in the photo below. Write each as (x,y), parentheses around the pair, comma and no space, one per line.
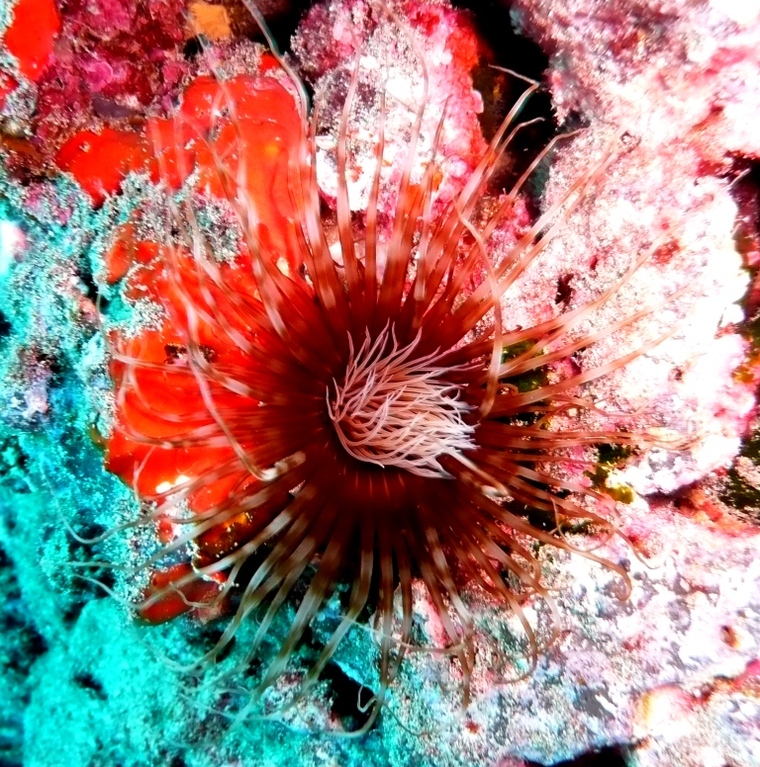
(395,409)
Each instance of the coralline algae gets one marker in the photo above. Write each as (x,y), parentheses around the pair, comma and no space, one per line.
(669,677)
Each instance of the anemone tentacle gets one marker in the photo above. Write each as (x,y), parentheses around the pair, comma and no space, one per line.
(317,414)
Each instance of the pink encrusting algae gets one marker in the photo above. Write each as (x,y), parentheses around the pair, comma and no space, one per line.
(333,35)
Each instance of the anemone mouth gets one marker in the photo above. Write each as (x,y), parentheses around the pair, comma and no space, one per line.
(297,422)
(395,409)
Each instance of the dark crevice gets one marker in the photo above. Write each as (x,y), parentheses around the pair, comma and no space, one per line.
(91,289)
(87,681)
(193,46)
(745,189)
(612,756)
(348,698)
(564,289)
(506,48)
(494,26)
(95,582)
(5,326)
(22,643)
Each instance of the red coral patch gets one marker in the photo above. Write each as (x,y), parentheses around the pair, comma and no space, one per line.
(32,34)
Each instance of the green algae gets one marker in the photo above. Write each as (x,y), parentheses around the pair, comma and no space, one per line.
(610,458)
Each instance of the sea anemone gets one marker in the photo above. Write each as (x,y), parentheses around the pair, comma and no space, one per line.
(341,404)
